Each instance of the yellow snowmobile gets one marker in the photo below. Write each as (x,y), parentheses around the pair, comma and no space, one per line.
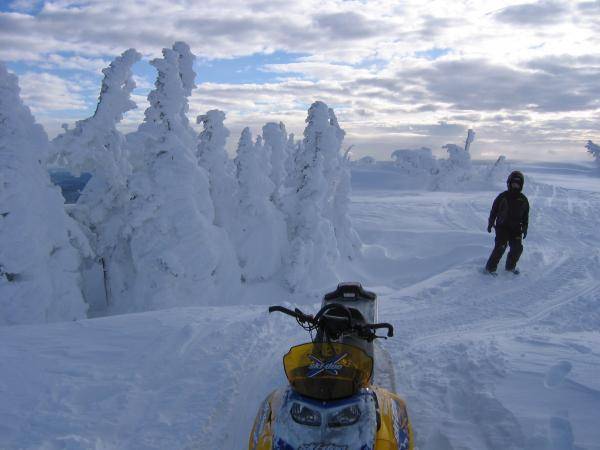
(330,402)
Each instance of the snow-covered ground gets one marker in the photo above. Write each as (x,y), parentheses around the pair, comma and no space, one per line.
(484,363)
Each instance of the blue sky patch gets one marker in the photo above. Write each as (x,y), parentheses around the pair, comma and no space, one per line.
(246,69)
(32,7)
(432,53)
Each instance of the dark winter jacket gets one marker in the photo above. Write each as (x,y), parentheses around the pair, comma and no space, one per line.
(510,211)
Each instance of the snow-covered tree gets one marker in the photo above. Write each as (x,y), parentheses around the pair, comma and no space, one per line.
(366,161)
(498,172)
(213,157)
(337,172)
(594,150)
(95,145)
(460,157)
(331,144)
(261,237)
(292,152)
(185,64)
(313,249)
(178,257)
(39,266)
(457,169)
(415,162)
(469,140)
(276,142)
(347,238)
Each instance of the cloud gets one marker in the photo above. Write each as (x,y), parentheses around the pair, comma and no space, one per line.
(392,72)
(25,5)
(592,8)
(482,86)
(350,25)
(535,14)
(44,92)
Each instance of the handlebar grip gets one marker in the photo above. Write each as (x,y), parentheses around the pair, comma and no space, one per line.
(376,326)
(282,309)
(297,313)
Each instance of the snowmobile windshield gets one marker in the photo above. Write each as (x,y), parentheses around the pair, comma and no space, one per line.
(327,371)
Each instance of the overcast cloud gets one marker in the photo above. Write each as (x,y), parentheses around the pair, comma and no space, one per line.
(525,75)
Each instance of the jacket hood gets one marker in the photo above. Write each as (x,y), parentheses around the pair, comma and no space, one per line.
(515,176)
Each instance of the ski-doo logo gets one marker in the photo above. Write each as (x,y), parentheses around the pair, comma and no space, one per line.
(319,446)
(332,366)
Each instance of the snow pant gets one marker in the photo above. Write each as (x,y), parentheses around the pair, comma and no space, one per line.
(514,240)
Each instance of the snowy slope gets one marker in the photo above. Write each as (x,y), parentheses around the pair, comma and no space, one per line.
(484,363)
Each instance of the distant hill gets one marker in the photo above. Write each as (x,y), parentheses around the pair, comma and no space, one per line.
(70,185)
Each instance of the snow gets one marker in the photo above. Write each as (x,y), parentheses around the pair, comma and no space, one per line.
(484,363)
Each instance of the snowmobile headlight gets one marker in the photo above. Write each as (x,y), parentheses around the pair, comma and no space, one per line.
(345,417)
(305,416)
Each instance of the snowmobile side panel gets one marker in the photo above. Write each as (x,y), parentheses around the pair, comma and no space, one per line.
(261,437)
(395,431)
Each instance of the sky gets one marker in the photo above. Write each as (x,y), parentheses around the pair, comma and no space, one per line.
(399,74)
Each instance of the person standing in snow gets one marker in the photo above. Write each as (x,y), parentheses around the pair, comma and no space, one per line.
(510,217)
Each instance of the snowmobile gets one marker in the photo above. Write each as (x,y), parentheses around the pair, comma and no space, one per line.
(331,402)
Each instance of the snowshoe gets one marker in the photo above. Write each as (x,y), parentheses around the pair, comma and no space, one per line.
(331,401)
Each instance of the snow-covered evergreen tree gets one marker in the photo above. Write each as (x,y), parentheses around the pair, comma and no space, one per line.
(469,140)
(313,249)
(178,256)
(460,157)
(276,141)
(337,172)
(292,151)
(261,237)
(213,157)
(185,64)
(347,238)
(594,150)
(96,146)
(417,162)
(39,266)
(457,169)
(499,171)
(366,161)
(331,143)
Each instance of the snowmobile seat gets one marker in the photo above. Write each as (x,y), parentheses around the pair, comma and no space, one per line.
(350,290)
(354,296)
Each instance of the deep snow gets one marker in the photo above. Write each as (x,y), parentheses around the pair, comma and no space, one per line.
(484,363)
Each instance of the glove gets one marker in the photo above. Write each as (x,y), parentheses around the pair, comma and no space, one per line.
(524,234)
(489,228)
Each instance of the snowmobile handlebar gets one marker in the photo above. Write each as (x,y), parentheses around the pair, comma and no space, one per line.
(377,326)
(296,313)
(367,330)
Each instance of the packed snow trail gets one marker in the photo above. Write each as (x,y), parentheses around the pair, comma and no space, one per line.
(484,363)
